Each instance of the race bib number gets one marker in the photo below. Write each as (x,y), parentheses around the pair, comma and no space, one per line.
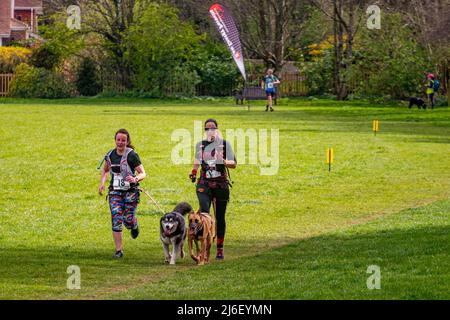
(212,174)
(270,85)
(119,183)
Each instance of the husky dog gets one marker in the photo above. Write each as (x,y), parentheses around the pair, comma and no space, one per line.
(417,102)
(173,231)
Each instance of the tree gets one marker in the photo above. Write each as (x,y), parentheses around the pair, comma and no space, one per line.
(268,28)
(389,61)
(112,20)
(87,80)
(161,47)
(346,16)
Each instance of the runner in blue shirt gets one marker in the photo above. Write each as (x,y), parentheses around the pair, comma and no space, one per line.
(270,81)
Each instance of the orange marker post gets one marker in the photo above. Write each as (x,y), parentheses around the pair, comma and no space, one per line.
(375,126)
(330,158)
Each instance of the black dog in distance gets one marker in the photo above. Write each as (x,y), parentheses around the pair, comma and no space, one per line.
(417,102)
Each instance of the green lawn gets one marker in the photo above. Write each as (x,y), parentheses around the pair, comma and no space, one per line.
(303,233)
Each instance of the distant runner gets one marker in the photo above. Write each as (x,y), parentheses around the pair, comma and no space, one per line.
(270,81)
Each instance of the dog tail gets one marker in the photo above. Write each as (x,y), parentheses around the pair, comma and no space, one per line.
(183,208)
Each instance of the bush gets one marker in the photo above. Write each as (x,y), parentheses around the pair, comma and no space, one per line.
(389,62)
(319,75)
(31,82)
(219,77)
(87,81)
(46,56)
(11,57)
(441,101)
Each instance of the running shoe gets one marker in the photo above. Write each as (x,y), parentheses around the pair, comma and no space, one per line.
(135,232)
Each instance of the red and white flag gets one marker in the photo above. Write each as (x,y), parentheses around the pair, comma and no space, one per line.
(230,35)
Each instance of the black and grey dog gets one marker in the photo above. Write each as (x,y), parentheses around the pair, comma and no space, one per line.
(417,102)
(173,231)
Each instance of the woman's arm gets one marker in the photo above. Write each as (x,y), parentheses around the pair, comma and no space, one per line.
(230,164)
(139,177)
(230,161)
(103,178)
(196,164)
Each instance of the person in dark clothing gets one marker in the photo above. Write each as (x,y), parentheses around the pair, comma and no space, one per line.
(214,156)
(126,170)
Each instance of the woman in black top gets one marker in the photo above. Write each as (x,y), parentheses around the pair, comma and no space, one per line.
(214,155)
(122,163)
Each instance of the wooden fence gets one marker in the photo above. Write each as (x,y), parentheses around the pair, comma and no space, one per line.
(292,84)
(5,80)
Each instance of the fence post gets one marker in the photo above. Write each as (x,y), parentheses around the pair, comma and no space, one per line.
(5,80)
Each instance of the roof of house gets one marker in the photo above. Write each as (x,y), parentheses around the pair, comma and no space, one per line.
(5,18)
(29,3)
(18,25)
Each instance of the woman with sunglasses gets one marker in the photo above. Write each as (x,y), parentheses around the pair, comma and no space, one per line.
(214,156)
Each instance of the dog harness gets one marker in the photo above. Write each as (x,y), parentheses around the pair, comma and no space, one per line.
(119,182)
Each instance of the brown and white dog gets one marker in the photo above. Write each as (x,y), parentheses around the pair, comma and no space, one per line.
(202,227)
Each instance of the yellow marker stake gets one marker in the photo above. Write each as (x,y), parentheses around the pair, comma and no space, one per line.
(375,126)
(330,157)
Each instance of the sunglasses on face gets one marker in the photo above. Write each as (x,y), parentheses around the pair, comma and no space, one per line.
(208,129)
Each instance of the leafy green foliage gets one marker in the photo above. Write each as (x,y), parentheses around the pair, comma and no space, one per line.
(46,56)
(389,61)
(319,74)
(32,82)
(160,45)
(216,68)
(87,82)
(60,43)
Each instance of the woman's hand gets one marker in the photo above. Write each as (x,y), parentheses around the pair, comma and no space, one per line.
(101,189)
(193,175)
(229,163)
(131,179)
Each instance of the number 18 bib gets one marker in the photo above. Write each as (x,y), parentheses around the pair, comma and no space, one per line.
(119,183)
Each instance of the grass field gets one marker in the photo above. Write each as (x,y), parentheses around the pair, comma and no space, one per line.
(304,233)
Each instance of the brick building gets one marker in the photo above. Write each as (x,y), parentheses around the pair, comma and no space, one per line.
(19,20)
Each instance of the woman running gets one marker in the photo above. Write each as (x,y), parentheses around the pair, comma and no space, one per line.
(214,155)
(122,163)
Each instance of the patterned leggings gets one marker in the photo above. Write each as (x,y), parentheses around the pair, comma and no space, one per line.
(123,205)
